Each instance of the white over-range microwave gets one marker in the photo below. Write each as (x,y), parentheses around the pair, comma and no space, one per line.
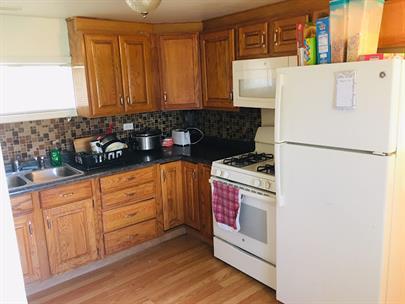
(254,81)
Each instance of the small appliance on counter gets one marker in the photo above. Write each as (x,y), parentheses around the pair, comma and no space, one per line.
(146,140)
(182,137)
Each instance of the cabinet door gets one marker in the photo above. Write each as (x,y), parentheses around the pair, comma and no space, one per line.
(70,235)
(284,40)
(218,52)
(180,71)
(172,195)
(392,34)
(28,247)
(104,74)
(253,40)
(204,174)
(190,192)
(136,68)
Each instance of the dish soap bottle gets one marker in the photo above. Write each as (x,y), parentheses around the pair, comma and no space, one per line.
(55,155)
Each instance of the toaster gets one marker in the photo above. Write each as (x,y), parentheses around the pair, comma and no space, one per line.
(182,137)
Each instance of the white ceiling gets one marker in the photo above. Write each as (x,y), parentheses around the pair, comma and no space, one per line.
(168,11)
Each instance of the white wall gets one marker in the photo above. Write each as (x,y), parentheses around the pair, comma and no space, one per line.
(11,277)
(33,40)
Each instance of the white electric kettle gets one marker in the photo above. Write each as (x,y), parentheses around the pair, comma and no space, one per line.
(181,137)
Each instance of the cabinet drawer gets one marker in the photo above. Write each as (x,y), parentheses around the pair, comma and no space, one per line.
(135,193)
(21,204)
(129,236)
(128,179)
(66,194)
(129,215)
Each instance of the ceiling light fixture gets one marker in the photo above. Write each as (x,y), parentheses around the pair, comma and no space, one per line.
(144,7)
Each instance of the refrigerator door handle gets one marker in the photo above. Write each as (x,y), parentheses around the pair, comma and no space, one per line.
(279,97)
(279,183)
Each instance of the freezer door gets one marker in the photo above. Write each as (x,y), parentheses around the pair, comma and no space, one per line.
(331,216)
(308,110)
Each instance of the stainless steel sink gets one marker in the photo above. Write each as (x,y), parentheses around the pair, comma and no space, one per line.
(51,174)
(14,181)
(29,178)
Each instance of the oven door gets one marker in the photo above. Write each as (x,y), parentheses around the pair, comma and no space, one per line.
(257,219)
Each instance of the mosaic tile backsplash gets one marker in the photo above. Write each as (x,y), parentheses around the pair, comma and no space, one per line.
(34,138)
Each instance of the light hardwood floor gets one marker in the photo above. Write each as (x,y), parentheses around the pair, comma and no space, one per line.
(182,270)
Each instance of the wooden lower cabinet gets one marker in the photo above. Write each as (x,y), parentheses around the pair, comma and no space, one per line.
(27,246)
(70,235)
(172,195)
(186,195)
(190,195)
(129,236)
(204,175)
(129,214)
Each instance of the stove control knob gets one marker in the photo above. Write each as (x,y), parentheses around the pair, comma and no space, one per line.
(226,174)
(256,183)
(267,185)
(218,172)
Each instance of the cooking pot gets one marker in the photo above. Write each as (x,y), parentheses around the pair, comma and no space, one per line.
(148,139)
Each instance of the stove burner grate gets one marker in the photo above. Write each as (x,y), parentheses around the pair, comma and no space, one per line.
(247,159)
(268,169)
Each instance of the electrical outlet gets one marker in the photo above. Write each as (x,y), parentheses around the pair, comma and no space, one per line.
(128,126)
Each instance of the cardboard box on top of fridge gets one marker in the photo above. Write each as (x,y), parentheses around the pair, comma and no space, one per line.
(323,41)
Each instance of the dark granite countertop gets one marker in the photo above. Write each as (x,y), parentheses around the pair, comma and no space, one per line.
(207,151)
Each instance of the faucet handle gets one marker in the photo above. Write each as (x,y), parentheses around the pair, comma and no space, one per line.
(41,162)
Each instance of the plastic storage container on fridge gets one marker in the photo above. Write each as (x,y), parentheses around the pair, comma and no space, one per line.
(338,29)
(363,27)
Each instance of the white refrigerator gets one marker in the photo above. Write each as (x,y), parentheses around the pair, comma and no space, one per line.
(340,166)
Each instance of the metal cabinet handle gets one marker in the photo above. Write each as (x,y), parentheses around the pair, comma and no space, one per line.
(67,194)
(230,96)
(164,176)
(48,222)
(263,39)
(131,214)
(130,178)
(165,96)
(130,194)
(122,100)
(129,101)
(275,38)
(30,228)
(194,175)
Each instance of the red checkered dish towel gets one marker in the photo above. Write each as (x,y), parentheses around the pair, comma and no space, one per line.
(226,200)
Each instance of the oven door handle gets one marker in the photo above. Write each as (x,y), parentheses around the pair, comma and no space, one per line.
(244,190)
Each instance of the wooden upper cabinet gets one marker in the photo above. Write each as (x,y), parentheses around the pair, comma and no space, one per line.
(204,175)
(172,195)
(218,52)
(392,34)
(136,68)
(27,246)
(284,39)
(70,235)
(180,71)
(253,40)
(103,66)
(190,195)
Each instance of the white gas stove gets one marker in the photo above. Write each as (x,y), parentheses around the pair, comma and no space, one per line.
(252,249)
(254,169)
